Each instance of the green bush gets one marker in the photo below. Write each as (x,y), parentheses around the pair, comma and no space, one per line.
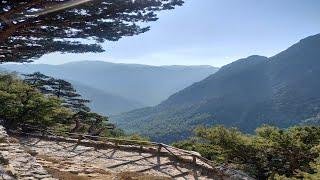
(21,104)
(272,152)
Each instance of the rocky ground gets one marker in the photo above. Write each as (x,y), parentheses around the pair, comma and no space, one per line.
(16,163)
(35,159)
(96,163)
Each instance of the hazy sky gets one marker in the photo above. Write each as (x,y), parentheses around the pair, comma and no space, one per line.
(213,32)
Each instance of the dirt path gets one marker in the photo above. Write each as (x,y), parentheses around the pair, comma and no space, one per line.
(62,157)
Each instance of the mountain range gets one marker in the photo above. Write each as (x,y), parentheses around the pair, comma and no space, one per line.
(282,90)
(114,88)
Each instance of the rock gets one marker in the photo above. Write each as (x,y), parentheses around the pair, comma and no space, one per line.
(4,161)
(10,170)
(17,162)
(7,177)
(195,153)
(42,176)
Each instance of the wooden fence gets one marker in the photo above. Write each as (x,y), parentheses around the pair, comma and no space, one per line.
(180,154)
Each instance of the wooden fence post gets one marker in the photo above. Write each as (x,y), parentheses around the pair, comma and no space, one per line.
(159,148)
(194,160)
(78,142)
(79,139)
(43,133)
(95,144)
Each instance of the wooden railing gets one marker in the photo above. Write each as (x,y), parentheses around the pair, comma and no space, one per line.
(192,157)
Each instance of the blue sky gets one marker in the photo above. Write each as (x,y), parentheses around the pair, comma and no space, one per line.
(212,32)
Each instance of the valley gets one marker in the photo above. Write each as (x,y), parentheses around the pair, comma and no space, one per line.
(281,90)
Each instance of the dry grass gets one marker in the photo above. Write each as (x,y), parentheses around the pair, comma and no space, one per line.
(31,152)
(96,174)
(3,140)
(102,175)
(63,175)
(100,171)
(49,159)
(9,140)
(13,140)
(138,176)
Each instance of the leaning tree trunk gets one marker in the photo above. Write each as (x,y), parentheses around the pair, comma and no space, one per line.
(92,129)
(98,132)
(77,126)
(9,124)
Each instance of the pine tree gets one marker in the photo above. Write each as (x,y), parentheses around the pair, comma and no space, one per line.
(59,88)
(65,90)
(72,100)
(37,80)
(22,104)
(32,28)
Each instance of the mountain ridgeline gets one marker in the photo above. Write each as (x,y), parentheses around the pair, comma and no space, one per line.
(282,90)
(115,88)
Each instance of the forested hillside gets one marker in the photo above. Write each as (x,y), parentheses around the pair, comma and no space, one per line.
(282,90)
(139,85)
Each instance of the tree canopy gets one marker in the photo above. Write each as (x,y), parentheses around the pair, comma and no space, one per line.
(40,101)
(85,120)
(32,28)
(271,153)
(21,104)
(59,88)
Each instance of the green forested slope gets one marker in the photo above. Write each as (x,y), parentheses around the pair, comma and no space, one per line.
(281,90)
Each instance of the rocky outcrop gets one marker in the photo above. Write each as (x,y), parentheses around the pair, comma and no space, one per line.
(16,163)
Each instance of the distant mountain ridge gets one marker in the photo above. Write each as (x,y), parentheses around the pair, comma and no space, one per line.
(134,85)
(282,90)
(100,101)
(104,102)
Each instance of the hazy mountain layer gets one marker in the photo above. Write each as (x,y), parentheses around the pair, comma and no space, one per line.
(118,88)
(282,90)
(105,103)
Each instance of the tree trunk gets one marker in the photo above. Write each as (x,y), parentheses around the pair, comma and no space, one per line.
(77,126)
(9,124)
(98,132)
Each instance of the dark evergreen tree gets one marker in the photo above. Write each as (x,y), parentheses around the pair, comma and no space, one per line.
(85,120)
(22,104)
(65,90)
(38,80)
(59,88)
(32,28)
(97,123)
